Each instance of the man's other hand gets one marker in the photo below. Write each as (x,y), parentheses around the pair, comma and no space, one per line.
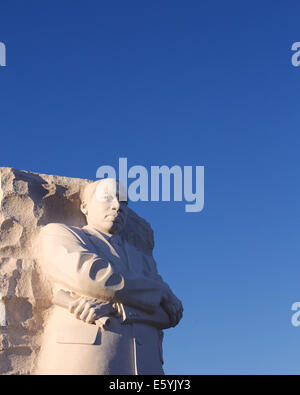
(89,310)
(173,307)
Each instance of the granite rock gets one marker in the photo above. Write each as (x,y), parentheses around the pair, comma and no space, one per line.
(27,202)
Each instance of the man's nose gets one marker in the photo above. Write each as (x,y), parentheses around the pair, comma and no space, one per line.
(115,204)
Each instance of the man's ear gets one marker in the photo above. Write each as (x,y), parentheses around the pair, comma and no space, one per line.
(83,207)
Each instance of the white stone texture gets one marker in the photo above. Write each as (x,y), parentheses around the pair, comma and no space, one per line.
(27,202)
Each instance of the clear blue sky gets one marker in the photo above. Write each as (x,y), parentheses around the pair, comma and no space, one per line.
(187,83)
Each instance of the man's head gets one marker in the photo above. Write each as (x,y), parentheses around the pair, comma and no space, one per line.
(101,205)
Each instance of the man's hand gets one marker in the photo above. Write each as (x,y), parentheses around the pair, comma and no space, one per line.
(173,307)
(89,310)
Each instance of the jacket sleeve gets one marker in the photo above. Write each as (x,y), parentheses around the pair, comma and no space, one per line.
(159,319)
(68,262)
(156,276)
(169,295)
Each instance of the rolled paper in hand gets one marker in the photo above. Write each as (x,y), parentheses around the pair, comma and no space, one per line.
(63,299)
(103,322)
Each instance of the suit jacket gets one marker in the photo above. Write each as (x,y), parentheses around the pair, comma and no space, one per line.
(84,261)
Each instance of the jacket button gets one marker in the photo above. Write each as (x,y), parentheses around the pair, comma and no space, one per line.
(132,314)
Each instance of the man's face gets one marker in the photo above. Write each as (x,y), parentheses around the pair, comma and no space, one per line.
(104,211)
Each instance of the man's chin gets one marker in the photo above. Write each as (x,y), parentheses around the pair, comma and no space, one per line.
(110,227)
(116,227)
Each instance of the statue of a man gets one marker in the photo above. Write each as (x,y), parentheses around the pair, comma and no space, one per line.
(110,304)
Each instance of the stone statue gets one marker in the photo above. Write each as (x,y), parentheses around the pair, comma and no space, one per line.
(110,303)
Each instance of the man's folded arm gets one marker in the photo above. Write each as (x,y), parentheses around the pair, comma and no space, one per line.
(169,303)
(159,319)
(68,261)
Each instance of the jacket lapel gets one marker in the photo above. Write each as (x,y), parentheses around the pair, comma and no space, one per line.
(102,246)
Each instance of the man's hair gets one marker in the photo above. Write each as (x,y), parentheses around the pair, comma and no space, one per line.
(88,190)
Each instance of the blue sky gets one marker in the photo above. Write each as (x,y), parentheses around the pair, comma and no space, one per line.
(187,83)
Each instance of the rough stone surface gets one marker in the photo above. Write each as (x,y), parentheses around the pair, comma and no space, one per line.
(27,202)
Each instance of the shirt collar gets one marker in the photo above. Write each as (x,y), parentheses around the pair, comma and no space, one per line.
(111,238)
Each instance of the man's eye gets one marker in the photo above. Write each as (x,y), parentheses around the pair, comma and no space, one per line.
(108,198)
